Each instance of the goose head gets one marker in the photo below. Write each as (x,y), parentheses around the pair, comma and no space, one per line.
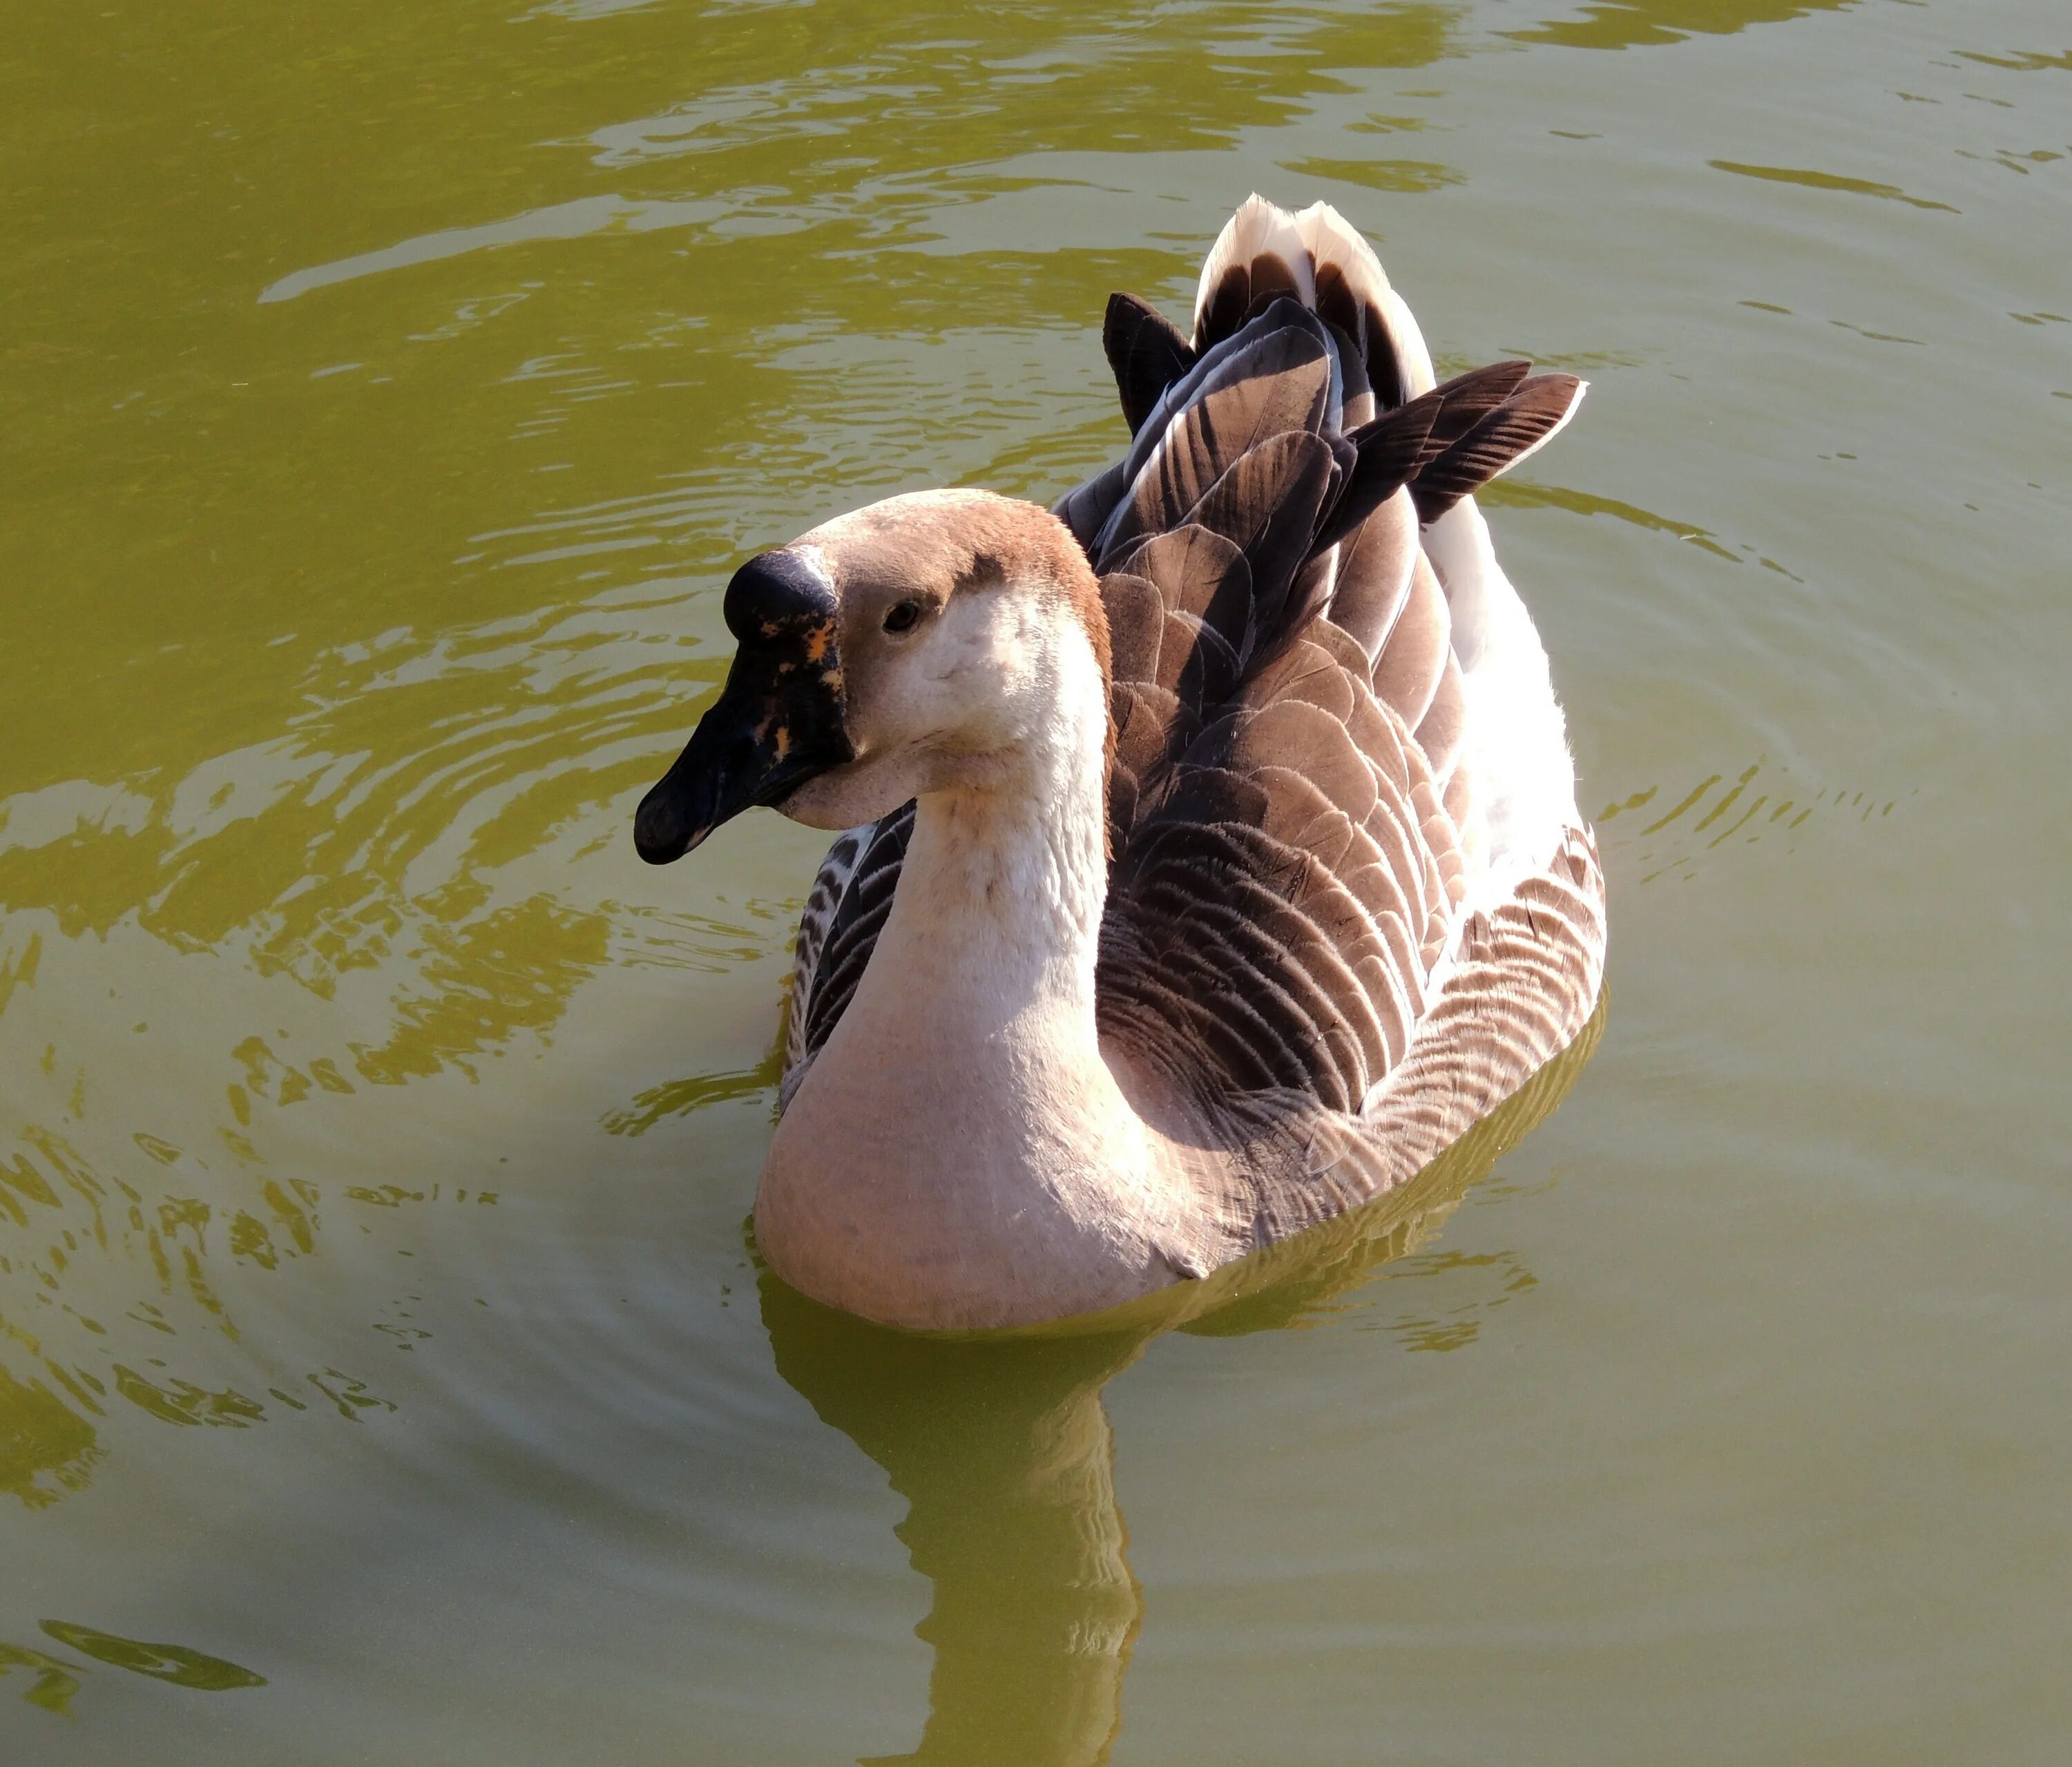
(920,645)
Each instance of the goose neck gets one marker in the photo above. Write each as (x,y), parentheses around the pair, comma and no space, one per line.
(1009,881)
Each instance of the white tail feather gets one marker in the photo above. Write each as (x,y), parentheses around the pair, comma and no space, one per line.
(1333,239)
(1257,227)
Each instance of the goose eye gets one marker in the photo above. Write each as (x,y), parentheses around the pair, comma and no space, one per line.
(903,616)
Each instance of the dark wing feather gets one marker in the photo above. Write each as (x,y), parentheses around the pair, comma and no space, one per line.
(826,982)
(1467,398)
(837,869)
(1147,352)
(1386,455)
(1267,506)
(1279,384)
(1400,445)
(1086,507)
(1496,443)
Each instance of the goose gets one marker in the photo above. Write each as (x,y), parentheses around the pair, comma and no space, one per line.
(1210,857)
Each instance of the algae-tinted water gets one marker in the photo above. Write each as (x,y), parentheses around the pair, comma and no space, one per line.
(386,392)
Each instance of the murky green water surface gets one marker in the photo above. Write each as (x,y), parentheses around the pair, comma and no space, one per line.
(385,1375)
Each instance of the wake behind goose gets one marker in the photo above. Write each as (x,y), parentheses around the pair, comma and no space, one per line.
(1211,859)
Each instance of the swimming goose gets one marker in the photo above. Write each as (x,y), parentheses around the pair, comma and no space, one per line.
(1212,859)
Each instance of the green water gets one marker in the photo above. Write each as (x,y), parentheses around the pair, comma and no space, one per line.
(385,1376)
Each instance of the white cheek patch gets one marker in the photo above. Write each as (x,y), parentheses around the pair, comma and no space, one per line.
(964,643)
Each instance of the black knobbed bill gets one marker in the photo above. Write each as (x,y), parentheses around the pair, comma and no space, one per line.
(776,723)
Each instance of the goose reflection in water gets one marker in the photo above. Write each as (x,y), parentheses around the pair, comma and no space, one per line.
(1004,1454)
(1003,1451)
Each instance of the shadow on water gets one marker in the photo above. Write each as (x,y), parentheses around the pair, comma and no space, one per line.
(1001,1446)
